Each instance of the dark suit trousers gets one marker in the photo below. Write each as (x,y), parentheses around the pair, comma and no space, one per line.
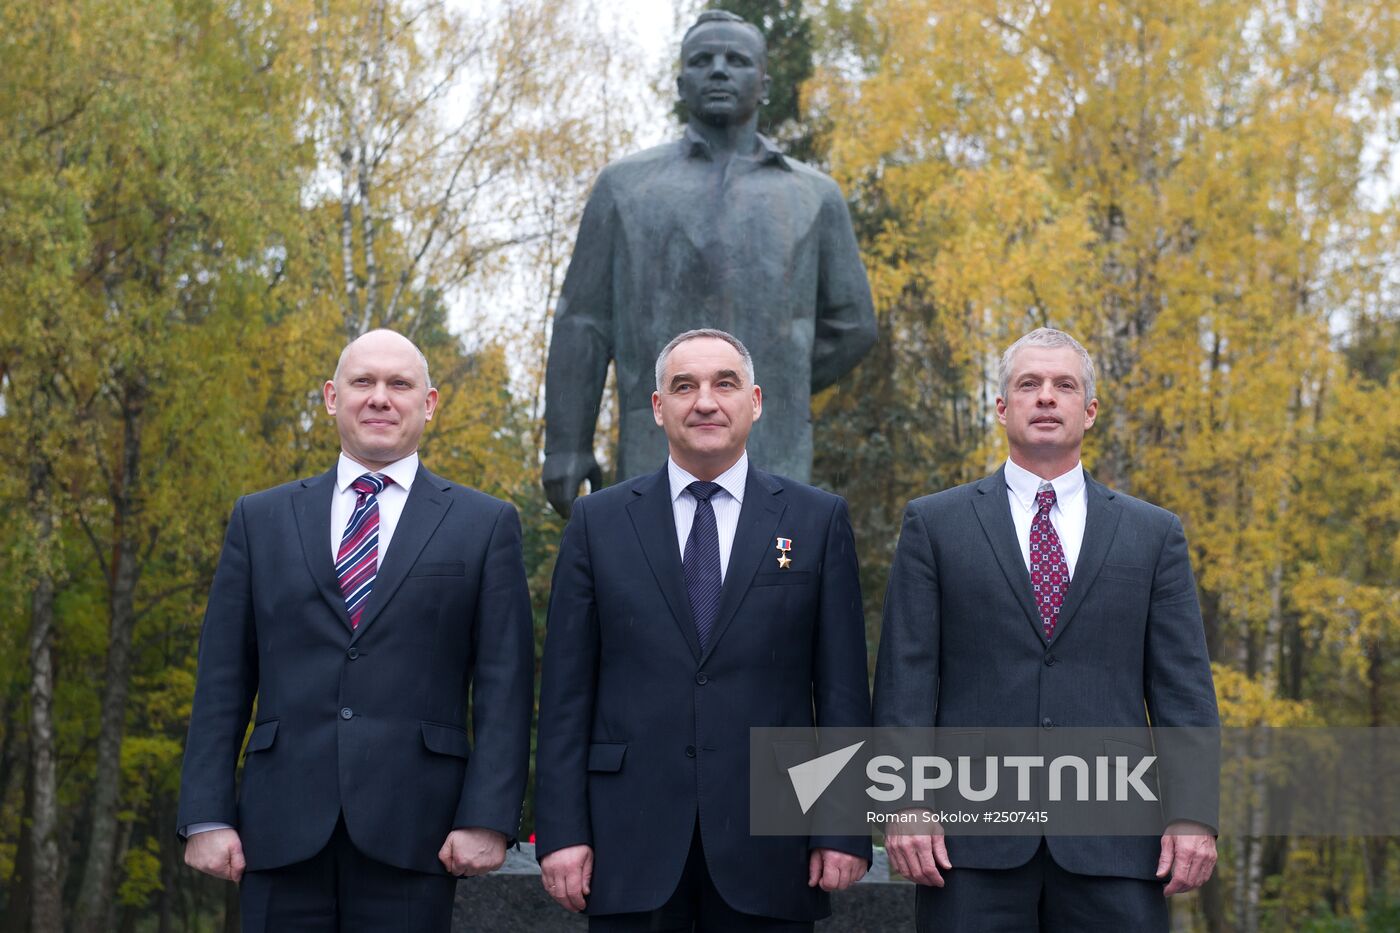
(1039,896)
(341,890)
(695,907)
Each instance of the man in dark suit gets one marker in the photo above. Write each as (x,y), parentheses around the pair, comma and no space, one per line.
(364,610)
(688,606)
(1037,597)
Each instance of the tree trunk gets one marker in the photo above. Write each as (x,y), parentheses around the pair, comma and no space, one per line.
(1377,848)
(17,906)
(43,869)
(367,219)
(94,909)
(1242,890)
(1213,904)
(347,244)
(1268,676)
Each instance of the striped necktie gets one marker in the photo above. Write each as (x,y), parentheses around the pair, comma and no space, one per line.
(358,559)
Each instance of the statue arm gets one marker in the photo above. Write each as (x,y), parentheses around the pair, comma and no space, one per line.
(845,319)
(579,352)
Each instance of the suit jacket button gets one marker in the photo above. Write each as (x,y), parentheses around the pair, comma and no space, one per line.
(702,678)
(690,751)
(1047,723)
(353,653)
(348,713)
(1050,660)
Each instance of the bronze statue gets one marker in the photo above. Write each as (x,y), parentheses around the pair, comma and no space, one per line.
(721,230)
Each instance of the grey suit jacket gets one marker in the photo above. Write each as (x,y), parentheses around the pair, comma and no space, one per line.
(963,645)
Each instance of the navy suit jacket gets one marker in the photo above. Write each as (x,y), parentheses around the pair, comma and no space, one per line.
(963,647)
(369,722)
(642,733)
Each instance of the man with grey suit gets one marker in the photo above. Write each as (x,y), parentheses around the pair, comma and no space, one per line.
(1039,598)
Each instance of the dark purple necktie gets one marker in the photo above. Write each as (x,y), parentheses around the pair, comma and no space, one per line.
(357,562)
(1049,572)
(701,561)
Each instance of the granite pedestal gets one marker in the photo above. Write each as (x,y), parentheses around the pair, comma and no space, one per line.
(512,900)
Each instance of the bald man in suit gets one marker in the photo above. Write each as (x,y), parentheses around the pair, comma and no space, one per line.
(365,610)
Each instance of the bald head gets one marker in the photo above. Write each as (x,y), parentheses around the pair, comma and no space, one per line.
(384,337)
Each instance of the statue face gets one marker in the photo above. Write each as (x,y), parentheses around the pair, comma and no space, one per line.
(722,75)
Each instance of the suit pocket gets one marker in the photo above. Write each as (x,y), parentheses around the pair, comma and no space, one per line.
(446,740)
(1126,572)
(953,744)
(782,578)
(263,735)
(445,568)
(606,756)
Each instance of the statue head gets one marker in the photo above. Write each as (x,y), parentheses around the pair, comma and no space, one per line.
(724,69)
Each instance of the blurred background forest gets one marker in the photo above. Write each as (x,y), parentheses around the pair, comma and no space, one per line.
(202,200)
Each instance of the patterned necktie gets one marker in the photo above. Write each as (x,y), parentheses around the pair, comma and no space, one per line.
(358,559)
(701,562)
(1049,572)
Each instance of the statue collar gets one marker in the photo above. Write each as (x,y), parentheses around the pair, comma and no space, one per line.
(768,151)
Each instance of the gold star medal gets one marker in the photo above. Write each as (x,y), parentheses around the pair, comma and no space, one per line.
(784,545)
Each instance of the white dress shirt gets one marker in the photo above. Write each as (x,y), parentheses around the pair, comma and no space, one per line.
(726,503)
(391,502)
(1067,515)
(391,498)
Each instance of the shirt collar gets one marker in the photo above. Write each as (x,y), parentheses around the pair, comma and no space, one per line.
(732,480)
(401,472)
(1024,484)
(768,151)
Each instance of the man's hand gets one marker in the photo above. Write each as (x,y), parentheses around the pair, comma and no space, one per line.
(1188,853)
(918,857)
(567,874)
(218,852)
(473,851)
(833,870)
(562,474)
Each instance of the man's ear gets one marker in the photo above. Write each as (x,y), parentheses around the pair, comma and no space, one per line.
(328,393)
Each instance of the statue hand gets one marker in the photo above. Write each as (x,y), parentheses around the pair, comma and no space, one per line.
(562,475)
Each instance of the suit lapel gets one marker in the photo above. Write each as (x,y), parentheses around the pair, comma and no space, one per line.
(753,539)
(422,513)
(655,524)
(311,504)
(1100,523)
(994,512)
